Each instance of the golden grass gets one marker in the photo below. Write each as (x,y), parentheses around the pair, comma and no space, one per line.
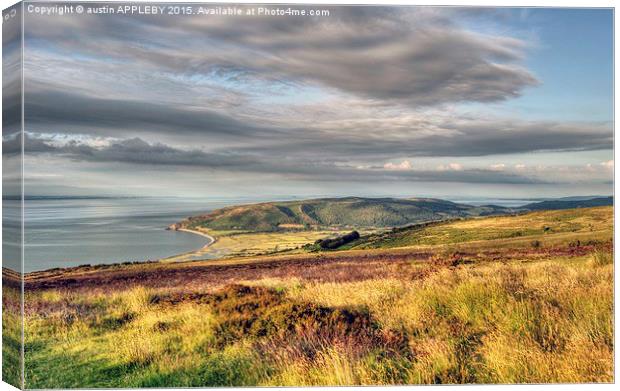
(244,244)
(518,330)
(602,258)
(548,227)
(593,219)
(261,243)
(548,321)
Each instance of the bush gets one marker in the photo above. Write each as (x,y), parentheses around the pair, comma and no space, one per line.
(331,244)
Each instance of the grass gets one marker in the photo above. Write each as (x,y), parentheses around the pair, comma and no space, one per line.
(495,323)
(590,222)
(602,258)
(248,244)
(548,321)
(498,311)
(11,336)
(243,244)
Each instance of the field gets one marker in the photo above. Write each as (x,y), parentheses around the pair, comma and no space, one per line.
(512,299)
(242,244)
(570,225)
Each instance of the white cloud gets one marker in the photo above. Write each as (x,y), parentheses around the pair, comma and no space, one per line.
(497,167)
(402,166)
(450,167)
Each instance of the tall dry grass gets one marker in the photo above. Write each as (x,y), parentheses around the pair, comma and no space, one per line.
(523,322)
(549,321)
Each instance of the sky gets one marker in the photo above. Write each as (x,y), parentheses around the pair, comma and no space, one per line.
(368,101)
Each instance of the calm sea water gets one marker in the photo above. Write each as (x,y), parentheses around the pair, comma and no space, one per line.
(506,202)
(71,232)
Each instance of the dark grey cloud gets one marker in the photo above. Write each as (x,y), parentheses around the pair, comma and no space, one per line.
(11,100)
(64,112)
(136,151)
(133,151)
(11,70)
(414,56)
(471,138)
(71,112)
(12,144)
(509,137)
(480,138)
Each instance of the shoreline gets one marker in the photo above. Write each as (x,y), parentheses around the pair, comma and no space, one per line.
(191,231)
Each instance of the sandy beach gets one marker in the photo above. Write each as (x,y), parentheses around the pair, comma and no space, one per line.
(201,234)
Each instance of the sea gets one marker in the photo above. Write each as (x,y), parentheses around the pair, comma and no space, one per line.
(66,232)
(73,231)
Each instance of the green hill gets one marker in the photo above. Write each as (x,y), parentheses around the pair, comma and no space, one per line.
(336,212)
(581,225)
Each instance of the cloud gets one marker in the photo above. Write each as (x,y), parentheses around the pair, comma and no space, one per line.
(453,136)
(109,153)
(11,73)
(138,152)
(71,112)
(361,84)
(404,165)
(327,136)
(12,144)
(407,55)
(450,167)
(357,96)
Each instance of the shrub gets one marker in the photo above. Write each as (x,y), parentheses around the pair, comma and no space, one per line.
(331,244)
